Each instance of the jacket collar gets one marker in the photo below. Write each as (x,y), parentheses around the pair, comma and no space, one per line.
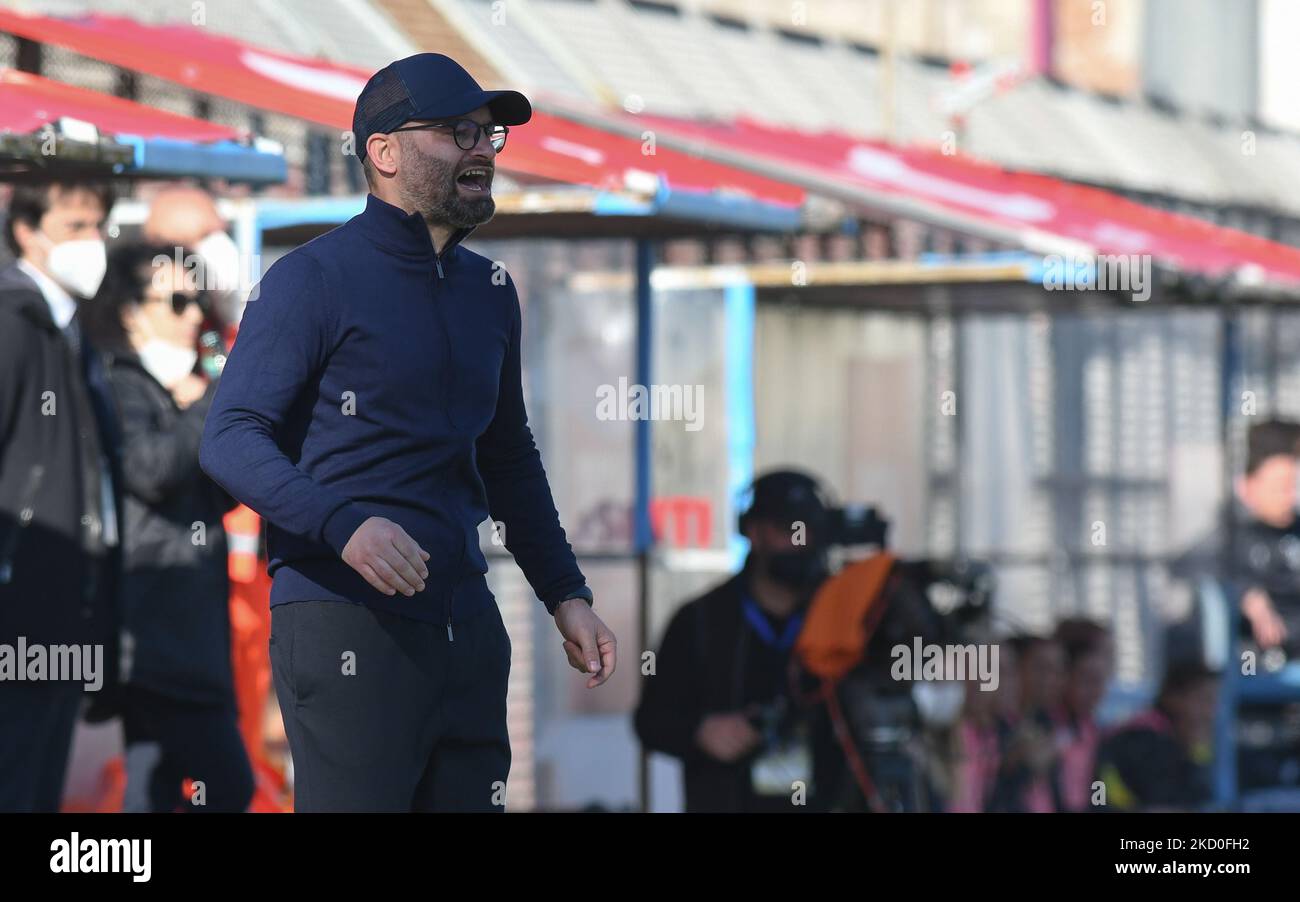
(19,291)
(395,230)
(62,305)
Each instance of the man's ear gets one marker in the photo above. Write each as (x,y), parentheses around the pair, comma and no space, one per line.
(383,153)
(33,245)
(24,234)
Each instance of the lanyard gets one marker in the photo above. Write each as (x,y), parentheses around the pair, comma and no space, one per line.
(763,626)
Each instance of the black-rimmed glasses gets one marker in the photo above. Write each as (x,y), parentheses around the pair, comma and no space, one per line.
(466,132)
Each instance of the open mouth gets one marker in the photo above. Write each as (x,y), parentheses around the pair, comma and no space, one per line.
(476,178)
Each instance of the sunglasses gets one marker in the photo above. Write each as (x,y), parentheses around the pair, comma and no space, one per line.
(181,301)
(466,132)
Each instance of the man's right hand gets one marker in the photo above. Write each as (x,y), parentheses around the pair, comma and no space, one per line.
(726,737)
(387,557)
(1267,626)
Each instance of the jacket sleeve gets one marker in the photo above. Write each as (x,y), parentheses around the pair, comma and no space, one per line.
(669,712)
(518,494)
(156,461)
(13,334)
(283,343)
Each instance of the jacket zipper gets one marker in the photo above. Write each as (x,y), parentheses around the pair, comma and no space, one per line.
(451,636)
(26,513)
(440,322)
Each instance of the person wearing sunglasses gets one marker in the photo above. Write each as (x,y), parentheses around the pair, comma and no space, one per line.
(372,412)
(176,693)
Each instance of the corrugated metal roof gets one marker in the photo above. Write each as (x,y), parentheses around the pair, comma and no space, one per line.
(352,31)
(688,64)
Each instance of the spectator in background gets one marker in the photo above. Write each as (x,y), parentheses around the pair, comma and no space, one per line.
(1029,778)
(186,216)
(1160,759)
(178,707)
(58,510)
(1259,566)
(1089,660)
(985,721)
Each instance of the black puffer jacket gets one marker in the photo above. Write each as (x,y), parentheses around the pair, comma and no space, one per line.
(56,572)
(175,589)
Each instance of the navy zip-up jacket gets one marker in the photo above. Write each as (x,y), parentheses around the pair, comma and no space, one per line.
(373,377)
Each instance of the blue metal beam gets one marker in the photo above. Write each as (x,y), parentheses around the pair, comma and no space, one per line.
(739,309)
(169,157)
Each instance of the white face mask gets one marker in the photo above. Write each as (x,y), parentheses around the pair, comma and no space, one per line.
(78,266)
(166,362)
(220,262)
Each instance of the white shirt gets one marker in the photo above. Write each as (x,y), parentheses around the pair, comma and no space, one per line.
(62,305)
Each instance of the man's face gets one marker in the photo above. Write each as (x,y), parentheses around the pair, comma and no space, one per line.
(1269,493)
(1043,675)
(786,554)
(773,537)
(431,174)
(73,215)
(1088,680)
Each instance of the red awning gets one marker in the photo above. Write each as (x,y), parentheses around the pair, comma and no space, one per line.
(1024,203)
(203,61)
(548,147)
(559,149)
(29,102)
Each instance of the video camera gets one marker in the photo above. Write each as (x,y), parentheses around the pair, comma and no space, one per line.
(879,724)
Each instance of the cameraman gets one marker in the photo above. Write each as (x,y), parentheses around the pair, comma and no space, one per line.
(720,696)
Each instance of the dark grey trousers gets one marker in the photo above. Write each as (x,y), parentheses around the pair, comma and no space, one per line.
(36,725)
(384,713)
(168,740)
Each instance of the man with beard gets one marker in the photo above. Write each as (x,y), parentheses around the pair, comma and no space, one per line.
(720,696)
(372,412)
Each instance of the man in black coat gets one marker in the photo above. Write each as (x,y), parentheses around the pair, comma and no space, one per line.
(720,698)
(58,511)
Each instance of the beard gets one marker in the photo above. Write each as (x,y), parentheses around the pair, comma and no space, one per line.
(429,187)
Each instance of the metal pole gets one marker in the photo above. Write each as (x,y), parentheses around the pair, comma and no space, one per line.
(1225,757)
(958,318)
(645,253)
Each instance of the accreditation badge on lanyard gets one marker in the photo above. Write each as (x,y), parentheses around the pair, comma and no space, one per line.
(786,760)
(782,768)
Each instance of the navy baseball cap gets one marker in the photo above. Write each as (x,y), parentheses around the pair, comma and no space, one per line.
(428,86)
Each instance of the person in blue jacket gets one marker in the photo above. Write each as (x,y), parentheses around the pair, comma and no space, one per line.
(372,412)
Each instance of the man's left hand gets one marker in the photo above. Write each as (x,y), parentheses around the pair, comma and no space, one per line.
(589,644)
